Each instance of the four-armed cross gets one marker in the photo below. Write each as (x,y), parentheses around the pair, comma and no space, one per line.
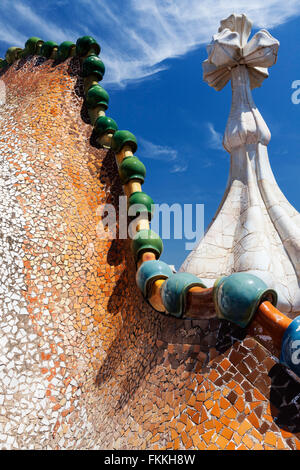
(255,229)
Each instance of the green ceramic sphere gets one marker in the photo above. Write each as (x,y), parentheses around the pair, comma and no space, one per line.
(142,203)
(132,168)
(31,46)
(12,54)
(86,44)
(105,124)
(146,240)
(47,48)
(149,272)
(64,50)
(122,138)
(97,96)
(3,63)
(237,297)
(174,292)
(92,65)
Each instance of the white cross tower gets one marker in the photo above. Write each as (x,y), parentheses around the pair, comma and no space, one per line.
(255,228)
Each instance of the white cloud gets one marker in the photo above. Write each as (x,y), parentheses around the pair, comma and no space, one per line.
(157,152)
(162,153)
(46,28)
(152,31)
(136,36)
(179,168)
(21,20)
(215,140)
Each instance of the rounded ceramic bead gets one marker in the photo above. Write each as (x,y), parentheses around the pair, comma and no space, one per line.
(86,44)
(105,124)
(237,297)
(290,347)
(65,50)
(97,96)
(174,292)
(142,203)
(12,54)
(122,138)
(31,46)
(47,48)
(132,168)
(146,240)
(92,65)
(3,63)
(149,272)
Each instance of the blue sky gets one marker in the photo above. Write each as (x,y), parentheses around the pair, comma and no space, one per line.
(153,52)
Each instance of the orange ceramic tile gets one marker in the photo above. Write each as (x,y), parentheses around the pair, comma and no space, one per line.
(208,436)
(227,433)
(248,442)
(222,442)
(244,427)
(270,438)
